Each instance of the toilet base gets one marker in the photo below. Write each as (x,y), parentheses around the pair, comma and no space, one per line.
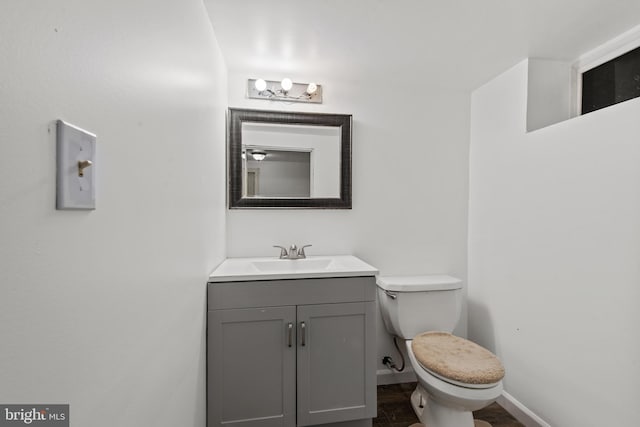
(433,414)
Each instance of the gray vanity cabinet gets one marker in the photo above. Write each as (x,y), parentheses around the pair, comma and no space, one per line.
(308,363)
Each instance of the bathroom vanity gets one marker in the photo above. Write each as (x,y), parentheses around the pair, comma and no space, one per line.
(291,342)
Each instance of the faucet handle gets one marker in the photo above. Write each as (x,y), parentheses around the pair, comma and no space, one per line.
(283,251)
(301,253)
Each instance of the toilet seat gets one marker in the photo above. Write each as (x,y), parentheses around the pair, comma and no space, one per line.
(456,360)
(449,394)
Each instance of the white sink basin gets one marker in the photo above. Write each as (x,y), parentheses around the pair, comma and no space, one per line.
(243,269)
(293,265)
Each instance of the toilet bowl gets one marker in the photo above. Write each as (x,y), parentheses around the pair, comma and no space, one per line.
(455,376)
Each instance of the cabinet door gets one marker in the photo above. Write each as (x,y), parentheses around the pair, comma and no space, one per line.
(251,367)
(336,363)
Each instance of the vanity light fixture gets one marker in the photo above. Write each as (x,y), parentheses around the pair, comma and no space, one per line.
(285,90)
(258,155)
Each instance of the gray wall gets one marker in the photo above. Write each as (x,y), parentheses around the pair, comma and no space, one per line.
(283,174)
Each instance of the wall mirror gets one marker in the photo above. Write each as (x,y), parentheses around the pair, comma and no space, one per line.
(288,160)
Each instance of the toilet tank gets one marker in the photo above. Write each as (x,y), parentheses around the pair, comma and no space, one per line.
(414,304)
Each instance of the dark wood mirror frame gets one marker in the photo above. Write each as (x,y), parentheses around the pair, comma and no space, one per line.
(235,118)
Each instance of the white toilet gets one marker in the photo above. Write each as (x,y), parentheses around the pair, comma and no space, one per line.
(455,376)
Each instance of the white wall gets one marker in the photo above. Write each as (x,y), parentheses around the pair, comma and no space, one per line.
(410,177)
(549,92)
(554,243)
(104,310)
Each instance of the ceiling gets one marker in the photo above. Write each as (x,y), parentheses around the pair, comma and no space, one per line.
(449,43)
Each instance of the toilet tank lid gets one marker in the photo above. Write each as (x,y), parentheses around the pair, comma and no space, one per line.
(439,282)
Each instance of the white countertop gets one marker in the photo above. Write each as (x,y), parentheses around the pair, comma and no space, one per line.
(273,268)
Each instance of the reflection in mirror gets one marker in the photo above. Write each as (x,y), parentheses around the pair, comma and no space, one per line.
(284,160)
(298,161)
(276,173)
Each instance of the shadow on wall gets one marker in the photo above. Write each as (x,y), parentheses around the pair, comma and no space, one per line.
(480,325)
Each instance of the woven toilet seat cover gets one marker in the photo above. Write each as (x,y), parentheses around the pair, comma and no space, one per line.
(456,358)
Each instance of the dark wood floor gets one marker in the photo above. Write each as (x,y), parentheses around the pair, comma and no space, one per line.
(394,409)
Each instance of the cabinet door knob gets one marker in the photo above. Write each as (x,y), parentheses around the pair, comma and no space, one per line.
(290,328)
(303,339)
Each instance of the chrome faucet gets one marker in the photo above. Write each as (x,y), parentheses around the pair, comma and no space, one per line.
(293,252)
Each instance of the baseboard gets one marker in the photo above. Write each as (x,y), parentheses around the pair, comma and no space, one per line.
(520,412)
(387,376)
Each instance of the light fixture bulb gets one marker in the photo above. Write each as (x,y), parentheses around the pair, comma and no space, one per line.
(260,85)
(312,88)
(286,84)
(258,155)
